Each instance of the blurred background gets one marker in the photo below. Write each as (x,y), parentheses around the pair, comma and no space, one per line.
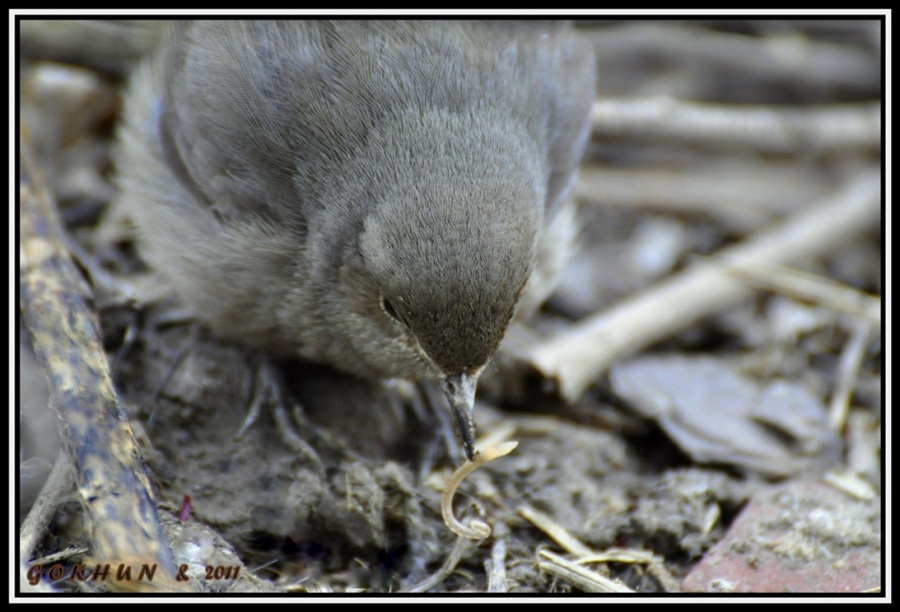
(723,429)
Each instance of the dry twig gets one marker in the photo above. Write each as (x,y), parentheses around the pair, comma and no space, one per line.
(810,288)
(556,532)
(41,513)
(577,355)
(585,579)
(848,370)
(111,478)
(785,58)
(766,128)
(496,567)
(742,195)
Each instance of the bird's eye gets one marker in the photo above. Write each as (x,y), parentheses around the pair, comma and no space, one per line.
(389,308)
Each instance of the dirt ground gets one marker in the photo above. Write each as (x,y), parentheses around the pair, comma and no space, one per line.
(730,442)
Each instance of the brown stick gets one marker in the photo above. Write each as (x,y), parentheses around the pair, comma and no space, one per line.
(110,476)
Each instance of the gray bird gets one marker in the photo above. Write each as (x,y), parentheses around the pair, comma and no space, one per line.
(372,195)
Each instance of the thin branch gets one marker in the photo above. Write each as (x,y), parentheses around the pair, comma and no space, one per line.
(111,479)
(793,58)
(34,526)
(496,567)
(462,547)
(109,45)
(848,371)
(764,127)
(582,577)
(576,356)
(744,195)
(557,532)
(810,288)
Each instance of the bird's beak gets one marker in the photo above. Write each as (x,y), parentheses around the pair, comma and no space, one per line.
(460,392)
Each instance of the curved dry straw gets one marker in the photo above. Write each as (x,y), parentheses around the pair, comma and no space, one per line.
(475,529)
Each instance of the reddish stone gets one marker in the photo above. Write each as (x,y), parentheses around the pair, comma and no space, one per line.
(801,537)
